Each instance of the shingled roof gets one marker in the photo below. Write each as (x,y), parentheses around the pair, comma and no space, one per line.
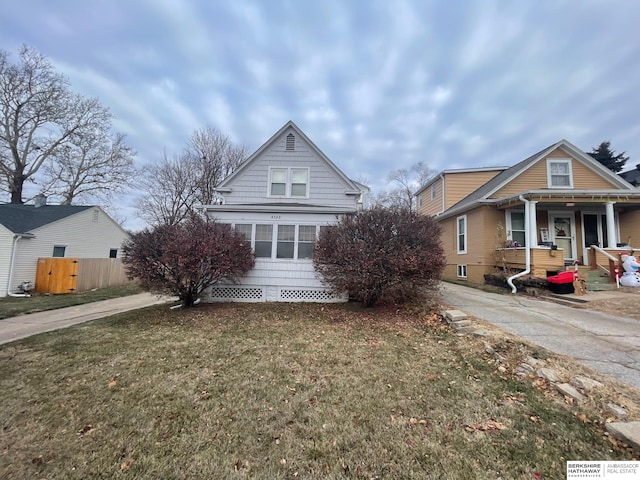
(26,218)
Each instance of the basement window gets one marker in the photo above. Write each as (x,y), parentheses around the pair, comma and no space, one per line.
(462,271)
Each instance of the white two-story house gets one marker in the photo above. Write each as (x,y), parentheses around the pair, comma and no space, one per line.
(280,198)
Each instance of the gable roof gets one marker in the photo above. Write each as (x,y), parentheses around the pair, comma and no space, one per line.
(25,218)
(442,173)
(506,176)
(225,184)
(632,176)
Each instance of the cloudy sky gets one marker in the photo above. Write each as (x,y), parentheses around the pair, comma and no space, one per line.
(377,85)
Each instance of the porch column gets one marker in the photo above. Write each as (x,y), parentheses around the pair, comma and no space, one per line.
(532,241)
(611,225)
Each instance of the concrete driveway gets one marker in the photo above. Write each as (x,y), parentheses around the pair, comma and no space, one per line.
(604,342)
(15,328)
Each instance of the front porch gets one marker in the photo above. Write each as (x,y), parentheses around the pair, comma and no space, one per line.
(561,230)
(547,261)
(544,260)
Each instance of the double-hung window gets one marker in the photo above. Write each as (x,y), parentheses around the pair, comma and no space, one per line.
(290,241)
(264,241)
(461,234)
(289,182)
(306,240)
(286,241)
(278,182)
(559,174)
(516,233)
(245,229)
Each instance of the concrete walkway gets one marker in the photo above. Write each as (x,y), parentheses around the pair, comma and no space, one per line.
(15,328)
(607,343)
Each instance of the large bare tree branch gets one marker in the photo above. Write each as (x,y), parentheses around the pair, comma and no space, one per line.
(39,115)
(174,188)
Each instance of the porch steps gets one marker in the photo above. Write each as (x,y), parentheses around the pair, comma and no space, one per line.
(597,281)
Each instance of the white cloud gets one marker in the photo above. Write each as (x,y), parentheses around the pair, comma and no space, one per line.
(378,85)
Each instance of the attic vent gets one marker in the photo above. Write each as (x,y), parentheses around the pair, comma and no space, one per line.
(291,142)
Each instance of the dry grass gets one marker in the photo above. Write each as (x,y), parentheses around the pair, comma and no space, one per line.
(40,302)
(280,391)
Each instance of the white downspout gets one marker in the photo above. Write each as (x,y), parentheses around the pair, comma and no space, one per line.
(527,248)
(16,239)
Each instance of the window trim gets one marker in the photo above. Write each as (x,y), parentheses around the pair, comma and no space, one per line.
(461,270)
(288,187)
(275,229)
(509,225)
(465,234)
(566,161)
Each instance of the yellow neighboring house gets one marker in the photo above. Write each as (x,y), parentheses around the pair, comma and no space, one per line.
(536,217)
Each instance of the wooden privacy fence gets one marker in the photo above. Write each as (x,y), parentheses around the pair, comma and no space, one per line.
(70,275)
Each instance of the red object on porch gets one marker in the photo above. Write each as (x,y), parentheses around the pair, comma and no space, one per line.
(562,283)
(562,277)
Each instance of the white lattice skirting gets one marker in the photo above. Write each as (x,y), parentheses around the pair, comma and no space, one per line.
(258,294)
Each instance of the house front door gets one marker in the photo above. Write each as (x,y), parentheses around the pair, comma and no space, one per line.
(563,231)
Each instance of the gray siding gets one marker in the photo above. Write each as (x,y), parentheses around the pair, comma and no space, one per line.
(272,276)
(326,187)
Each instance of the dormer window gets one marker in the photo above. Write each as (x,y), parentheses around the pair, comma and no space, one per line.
(559,173)
(288,182)
(291,143)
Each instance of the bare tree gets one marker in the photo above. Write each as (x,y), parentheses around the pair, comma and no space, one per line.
(169,193)
(213,156)
(173,188)
(38,115)
(97,165)
(407,181)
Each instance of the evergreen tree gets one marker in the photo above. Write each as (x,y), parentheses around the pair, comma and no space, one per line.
(607,157)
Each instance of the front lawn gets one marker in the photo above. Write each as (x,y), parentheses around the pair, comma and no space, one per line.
(279,391)
(39,302)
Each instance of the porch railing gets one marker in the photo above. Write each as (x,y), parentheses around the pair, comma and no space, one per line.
(612,260)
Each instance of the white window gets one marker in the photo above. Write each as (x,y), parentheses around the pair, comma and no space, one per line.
(286,241)
(462,271)
(59,251)
(306,241)
(516,233)
(278,182)
(559,174)
(461,234)
(264,241)
(299,182)
(246,230)
(434,191)
(288,182)
(291,241)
